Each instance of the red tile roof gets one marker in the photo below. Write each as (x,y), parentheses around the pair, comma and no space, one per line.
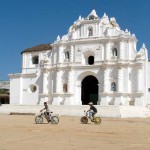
(41,47)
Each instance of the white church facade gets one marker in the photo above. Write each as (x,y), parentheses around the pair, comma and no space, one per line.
(95,61)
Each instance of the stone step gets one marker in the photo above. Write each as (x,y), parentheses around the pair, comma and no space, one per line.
(134,111)
(78,110)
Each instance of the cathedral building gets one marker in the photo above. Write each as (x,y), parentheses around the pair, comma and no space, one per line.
(95,61)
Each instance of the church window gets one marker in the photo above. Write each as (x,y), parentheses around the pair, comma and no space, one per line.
(113,86)
(114,52)
(91,60)
(66,55)
(91,17)
(35,60)
(90,32)
(33,88)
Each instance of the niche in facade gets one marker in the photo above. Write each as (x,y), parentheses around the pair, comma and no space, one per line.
(113,86)
(90,31)
(67,55)
(35,59)
(114,52)
(91,60)
(65,88)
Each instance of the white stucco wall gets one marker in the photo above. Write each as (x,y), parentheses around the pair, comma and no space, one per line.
(148,83)
(15,90)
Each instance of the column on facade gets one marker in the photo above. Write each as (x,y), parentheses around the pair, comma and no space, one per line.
(78,32)
(95,32)
(85,32)
(139,99)
(45,82)
(107,50)
(78,100)
(118,100)
(106,80)
(54,81)
(129,79)
(71,53)
(139,77)
(120,79)
(60,54)
(29,61)
(121,50)
(82,33)
(99,29)
(50,87)
(59,81)
(99,94)
(70,81)
(127,86)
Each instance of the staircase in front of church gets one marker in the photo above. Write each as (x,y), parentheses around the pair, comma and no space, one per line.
(78,110)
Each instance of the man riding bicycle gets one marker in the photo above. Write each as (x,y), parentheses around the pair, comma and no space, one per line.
(47,112)
(92,110)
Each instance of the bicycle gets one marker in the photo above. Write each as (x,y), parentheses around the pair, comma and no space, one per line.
(53,120)
(84,119)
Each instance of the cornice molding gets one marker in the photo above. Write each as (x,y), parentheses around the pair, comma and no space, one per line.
(22,75)
(110,93)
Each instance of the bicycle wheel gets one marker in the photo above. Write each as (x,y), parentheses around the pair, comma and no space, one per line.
(38,119)
(84,120)
(97,120)
(54,120)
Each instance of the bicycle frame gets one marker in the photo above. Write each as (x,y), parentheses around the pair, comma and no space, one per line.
(45,116)
(88,114)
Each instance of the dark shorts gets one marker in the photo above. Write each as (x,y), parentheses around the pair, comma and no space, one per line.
(46,113)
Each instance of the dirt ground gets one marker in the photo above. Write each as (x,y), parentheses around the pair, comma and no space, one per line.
(19,132)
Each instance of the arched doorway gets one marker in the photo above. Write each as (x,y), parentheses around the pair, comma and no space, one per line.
(89,91)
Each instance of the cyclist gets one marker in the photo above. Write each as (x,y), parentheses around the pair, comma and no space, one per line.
(47,112)
(92,110)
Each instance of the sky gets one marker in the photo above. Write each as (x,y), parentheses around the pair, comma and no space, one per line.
(27,23)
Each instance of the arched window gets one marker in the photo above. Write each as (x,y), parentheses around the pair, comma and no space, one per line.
(35,60)
(66,55)
(90,32)
(113,86)
(91,60)
(114,52)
